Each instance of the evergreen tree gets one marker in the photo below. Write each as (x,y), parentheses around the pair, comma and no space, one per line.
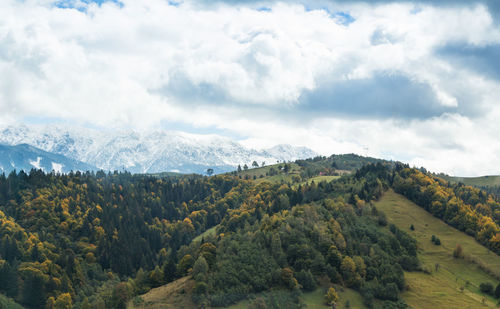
(8,279)
(33,293)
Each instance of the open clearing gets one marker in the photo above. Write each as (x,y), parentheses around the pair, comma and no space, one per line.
(441,288)
(315,299)
(174,295)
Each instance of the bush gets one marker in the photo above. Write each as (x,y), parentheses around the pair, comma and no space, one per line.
(382,219)
(458,252)
(435,240)
(486,287)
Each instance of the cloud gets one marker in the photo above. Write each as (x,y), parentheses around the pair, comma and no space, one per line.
(396,78)
(480,59)
(381,96)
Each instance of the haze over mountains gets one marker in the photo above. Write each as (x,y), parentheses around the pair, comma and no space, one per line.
(139,152)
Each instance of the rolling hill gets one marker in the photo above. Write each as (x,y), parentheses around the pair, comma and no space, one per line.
(280,236)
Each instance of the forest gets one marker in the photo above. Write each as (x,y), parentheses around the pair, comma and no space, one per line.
(85,240)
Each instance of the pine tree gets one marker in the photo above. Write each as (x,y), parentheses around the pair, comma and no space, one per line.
(8,279)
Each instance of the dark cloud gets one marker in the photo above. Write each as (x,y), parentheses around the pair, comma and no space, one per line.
(481,59)
(383,96)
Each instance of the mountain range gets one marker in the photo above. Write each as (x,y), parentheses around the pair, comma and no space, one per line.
(25,157)
(141,152)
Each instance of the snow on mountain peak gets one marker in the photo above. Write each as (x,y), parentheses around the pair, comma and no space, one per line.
(147,152)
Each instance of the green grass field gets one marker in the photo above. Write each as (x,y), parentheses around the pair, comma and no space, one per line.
(210,232)
(260,173)
(315,299)
(318,179)
(441,288)
(474,181)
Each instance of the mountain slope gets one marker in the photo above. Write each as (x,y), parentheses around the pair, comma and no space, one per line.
(25,157)
(441,287)
(148,152)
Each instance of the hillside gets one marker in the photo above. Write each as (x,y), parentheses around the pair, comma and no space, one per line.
(100,228)
(490,184)
(283,235)
(482,181)
(441,288)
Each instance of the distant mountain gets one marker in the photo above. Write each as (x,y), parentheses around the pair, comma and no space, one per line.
(25,157)
(148,152)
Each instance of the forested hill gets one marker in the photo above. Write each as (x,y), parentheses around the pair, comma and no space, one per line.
(97,240)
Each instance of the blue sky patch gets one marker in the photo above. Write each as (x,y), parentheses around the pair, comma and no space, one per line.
(264,9)
(80,5)
(344,18)
(175,2)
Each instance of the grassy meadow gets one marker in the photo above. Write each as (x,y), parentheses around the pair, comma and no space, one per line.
(474,181)
(175,295)
(315,299)
(442,287)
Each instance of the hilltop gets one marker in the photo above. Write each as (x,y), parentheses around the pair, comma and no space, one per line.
(440,280)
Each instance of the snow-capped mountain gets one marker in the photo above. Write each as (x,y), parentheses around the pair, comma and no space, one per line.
(147,152)
(25,157)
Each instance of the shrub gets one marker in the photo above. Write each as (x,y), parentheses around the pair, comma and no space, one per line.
(436,240)
(486,287)
(458,252)
(382,219)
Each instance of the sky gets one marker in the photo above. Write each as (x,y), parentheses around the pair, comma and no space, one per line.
(413,81)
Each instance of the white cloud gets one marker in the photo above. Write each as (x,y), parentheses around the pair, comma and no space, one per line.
(240,69)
